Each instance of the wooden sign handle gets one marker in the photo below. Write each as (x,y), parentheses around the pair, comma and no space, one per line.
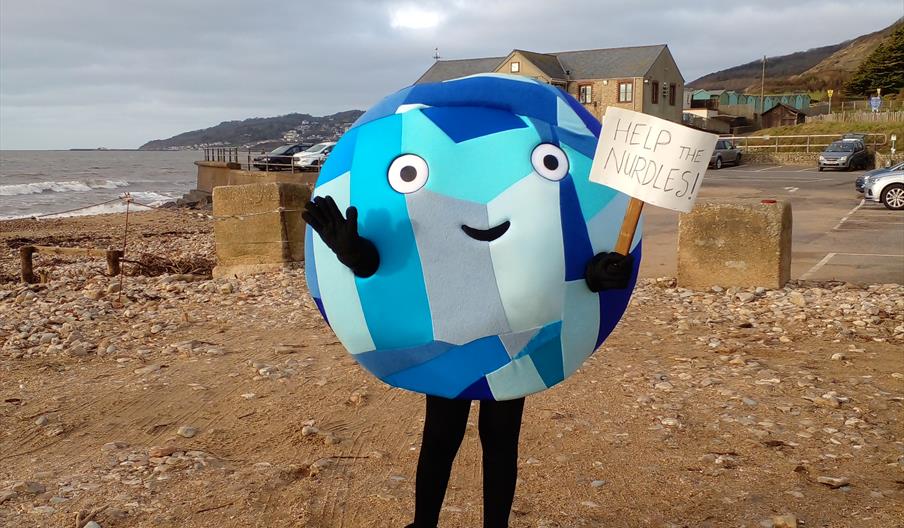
(629,226)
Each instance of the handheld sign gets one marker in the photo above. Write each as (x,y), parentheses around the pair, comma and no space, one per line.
(652,160)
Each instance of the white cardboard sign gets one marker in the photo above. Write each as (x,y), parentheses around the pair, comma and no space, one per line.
(651,159)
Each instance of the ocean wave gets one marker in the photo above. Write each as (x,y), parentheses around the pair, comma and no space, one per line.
(60,186)
(145,198)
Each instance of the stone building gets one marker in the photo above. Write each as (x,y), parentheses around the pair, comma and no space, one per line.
(641,78)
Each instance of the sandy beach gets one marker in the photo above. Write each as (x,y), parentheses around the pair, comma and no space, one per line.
(191,402)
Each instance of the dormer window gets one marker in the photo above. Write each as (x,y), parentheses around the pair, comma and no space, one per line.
(516,67)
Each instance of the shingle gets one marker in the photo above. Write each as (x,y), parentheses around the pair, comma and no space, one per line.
(546,62)
(609,63)
(788,107)
(443,70)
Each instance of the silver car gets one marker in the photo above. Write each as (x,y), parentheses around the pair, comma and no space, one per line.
(725,152)
(864,179)
(888,189)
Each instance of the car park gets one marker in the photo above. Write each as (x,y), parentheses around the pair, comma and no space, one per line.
(314,156)
(849,153)
(279,158)
(725,152)
(864,178)
(887,189)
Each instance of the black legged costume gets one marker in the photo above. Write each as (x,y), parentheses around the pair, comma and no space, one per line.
(444,425)
(444,428)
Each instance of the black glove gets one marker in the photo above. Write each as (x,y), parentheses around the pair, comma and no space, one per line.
(341,235)
(609,271)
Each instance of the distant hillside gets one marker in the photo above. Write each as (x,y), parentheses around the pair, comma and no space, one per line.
(261,131)
(745,75)
(883,69)
(814,69)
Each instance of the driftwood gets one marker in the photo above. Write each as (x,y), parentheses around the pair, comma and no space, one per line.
(80,521)
(26,255)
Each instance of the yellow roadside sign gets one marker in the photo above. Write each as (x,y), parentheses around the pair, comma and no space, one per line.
(830,92)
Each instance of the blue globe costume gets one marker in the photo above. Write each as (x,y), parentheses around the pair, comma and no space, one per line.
(475,194)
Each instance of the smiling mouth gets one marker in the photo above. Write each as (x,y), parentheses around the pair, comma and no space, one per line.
(486,235)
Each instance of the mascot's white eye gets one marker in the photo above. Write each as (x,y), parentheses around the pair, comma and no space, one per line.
(549,161)
(408,173)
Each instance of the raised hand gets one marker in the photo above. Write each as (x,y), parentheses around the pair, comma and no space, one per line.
(341,235)
(609,271)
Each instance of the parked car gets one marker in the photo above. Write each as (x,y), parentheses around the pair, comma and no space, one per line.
(725,152)
(314,156)
(888,189)
(845,154)
(864,178)
(279,158)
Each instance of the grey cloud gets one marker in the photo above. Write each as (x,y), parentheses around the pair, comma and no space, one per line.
(117,73)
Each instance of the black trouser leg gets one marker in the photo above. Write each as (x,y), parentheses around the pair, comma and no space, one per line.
(444,429)
(500,426)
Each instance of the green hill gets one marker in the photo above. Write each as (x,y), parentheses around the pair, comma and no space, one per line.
(743,76)
(261,131)
(813,70)
(883,69)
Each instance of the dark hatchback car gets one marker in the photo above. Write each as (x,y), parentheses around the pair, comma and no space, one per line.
(846,154)
(279,158)
(725,152)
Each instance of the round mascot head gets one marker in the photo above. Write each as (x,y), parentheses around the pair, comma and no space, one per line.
(475,192)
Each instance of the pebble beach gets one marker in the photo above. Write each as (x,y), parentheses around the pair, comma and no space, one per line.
(167,398)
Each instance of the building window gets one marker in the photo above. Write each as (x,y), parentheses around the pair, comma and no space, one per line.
(654,92)
(516,67)
(672,91)
(625,92)
(585,93)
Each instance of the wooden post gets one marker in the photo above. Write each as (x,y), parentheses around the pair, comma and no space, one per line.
(113,258)
(629,226)
(28,271)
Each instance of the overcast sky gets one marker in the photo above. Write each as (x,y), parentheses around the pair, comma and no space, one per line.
(118,73)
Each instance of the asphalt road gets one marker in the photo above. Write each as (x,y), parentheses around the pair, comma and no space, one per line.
(836,235)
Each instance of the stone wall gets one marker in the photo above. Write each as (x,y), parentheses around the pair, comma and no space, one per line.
(213,174)
(744,243)
(664,70)
(258,227)
(606,95)
(798,158)
(885,160)
(780,158)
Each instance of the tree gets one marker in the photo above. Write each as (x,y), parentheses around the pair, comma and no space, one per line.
(883,68)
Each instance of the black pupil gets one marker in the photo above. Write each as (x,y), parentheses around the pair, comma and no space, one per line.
(550,162)
(408,173)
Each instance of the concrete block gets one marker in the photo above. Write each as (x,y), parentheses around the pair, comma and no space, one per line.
(744,243)
(212,174)
(258,227)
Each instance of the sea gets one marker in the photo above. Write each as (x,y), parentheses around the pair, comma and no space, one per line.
(73,183)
